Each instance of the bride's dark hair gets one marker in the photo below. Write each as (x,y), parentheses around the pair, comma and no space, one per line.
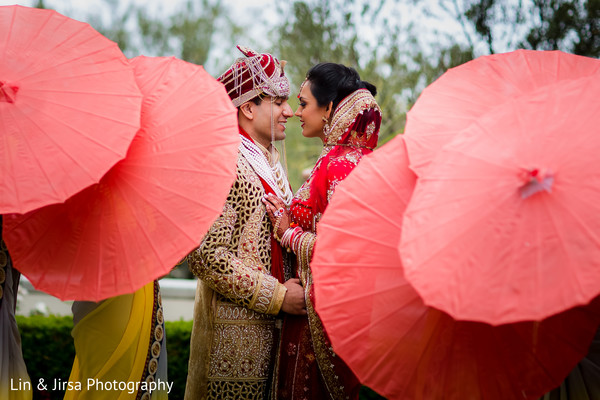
(331,82)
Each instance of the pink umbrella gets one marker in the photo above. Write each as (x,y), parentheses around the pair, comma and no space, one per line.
(69,107)
(462,94)
(504,226)
(396,344)
(150,209)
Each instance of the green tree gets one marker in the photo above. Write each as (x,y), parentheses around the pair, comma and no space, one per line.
(569,25)
(188,33)
(310,33)
(369,36)
(572,26)
(354,33)
(116,27)
(315,31)
(307,35)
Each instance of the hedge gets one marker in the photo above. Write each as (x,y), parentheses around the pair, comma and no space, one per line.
(48,351)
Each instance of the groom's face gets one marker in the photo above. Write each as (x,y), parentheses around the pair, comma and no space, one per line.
(272,112)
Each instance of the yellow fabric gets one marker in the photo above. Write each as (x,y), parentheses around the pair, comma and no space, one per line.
(111,344)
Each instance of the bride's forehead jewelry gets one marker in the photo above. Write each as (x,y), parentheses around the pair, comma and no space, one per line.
(301,87)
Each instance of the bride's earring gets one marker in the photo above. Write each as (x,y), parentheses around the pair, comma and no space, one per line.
(326,126)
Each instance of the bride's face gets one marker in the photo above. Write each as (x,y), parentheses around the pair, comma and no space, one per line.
(310,113)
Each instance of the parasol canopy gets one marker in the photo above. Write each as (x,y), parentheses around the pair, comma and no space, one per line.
(397,345)
(152,208)
(504,226)
(69,107)
(464,93)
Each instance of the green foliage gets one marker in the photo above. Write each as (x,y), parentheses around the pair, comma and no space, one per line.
(187,34)
(49,352)
(572,26)
(116,28)
(178,354)
(566,25)
(315,31)
(588,29)
(154,34)
(479,13)
(194,30)
(556,19)
(301,153)
(47,348)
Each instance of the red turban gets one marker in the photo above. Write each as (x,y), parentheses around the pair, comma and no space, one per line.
(254,75)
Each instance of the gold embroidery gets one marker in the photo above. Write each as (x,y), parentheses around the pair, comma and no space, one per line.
(240,359)
(234,261)
(156,338)
(347,111)
(307,245)
(323,352)
(155,349)
(332,185)
(354,156)
(236,252)
(304,192)
(370,130)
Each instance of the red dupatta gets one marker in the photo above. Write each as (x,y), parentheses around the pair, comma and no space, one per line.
(353,133)
(309,368)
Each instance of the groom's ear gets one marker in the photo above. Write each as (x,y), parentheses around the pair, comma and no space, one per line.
(248,110)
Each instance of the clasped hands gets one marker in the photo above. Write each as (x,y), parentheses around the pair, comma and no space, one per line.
(278,214)
(293,302)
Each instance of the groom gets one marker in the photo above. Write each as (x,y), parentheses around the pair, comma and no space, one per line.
(241,269)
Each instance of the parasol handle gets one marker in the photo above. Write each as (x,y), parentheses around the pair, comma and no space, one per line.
(8,92)
(535,183)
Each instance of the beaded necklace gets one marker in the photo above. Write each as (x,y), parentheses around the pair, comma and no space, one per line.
(273,175)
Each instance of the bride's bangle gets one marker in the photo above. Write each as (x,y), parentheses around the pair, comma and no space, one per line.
(279,214)
(289,235)
(276,228)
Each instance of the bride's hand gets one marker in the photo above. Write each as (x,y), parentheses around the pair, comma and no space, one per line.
(278,214)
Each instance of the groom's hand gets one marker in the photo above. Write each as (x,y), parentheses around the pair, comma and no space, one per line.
(293,302)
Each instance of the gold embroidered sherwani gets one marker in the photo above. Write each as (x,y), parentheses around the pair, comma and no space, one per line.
(233,339)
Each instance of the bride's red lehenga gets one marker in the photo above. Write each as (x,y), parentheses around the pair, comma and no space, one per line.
(308,367)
